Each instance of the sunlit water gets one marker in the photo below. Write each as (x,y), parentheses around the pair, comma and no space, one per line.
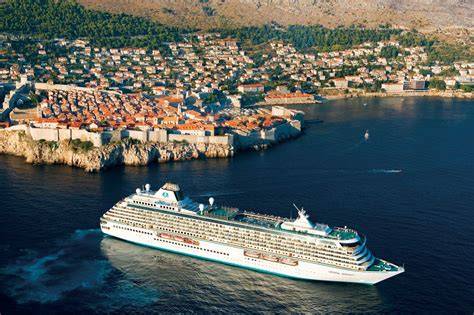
(409,188)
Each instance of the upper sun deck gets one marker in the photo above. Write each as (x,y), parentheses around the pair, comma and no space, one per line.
(169,197)
(382,265)
(344,234)
(267,221)
(275,223)
(225,213)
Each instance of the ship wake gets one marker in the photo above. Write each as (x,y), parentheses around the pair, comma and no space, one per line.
(385,171)
(74,267)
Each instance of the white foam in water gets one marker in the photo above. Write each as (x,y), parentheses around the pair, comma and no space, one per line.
(80,234)
(386,171)
(75,264)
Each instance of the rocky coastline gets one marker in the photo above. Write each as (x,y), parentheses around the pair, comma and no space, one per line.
(428,93)
(126,152)
(94,159)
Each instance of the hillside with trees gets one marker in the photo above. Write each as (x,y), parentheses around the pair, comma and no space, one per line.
(67,19)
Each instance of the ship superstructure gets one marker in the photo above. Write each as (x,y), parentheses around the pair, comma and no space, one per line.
(166,219)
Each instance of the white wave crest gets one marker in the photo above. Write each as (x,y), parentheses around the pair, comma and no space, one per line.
(385,171)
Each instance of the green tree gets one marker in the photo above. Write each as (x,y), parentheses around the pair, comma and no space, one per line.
(467,88)
(389,52)
(437,84)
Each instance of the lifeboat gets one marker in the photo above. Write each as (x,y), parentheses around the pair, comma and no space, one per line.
(164,235)
(288,261)
(270,258)
(190,241)
(252,254)
(178,238)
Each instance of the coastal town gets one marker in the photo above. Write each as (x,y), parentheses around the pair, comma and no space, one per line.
(205,89)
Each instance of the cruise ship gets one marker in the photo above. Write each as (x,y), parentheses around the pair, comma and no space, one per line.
(166,219)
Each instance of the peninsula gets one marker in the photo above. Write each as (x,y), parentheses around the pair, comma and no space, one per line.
(95,129)
(134,95)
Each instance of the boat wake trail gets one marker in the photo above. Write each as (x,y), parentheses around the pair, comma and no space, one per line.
(385,171)
(357,172)
(81,234)
(74,266)
(46,277)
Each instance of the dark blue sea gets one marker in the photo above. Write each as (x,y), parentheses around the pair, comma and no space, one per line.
(409,188)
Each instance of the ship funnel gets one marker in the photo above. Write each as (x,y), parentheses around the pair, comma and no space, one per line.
(147,187)
(211,201)
(138,191)
(201,208)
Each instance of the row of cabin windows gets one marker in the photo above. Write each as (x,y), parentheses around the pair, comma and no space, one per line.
(145,203)
(167,207)
(132,230)
(154,205)
(129,217)
(192,246)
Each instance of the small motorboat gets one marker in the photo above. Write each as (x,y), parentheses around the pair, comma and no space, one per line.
(366,135)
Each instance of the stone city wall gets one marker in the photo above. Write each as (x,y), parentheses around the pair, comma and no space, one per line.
(281,132)
(225,140)
(47,134)
(101,138)
(160,135)
(44,134)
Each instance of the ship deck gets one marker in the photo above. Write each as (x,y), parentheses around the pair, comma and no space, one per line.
(256,220)
(225,213)
(269,221)
(381,265)
(343,233)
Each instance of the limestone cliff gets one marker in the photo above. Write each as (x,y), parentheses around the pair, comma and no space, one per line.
(95,159)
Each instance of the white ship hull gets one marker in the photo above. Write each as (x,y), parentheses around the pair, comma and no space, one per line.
(235,256)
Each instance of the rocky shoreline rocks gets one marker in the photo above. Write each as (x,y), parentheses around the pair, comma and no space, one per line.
(430,93)
(94,159)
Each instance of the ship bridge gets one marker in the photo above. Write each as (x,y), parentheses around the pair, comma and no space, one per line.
(303,224)
(170,193)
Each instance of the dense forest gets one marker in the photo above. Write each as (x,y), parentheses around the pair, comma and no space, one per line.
(67,19)
(303,37)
